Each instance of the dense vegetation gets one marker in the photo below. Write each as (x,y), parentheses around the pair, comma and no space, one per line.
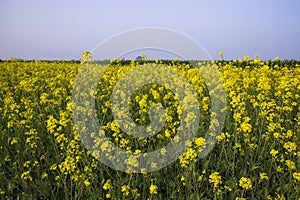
(257,155)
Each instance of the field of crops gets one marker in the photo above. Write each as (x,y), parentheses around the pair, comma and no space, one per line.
(257,155)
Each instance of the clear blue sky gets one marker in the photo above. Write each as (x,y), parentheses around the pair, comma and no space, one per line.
(35,29)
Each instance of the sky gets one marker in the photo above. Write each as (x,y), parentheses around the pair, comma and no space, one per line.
(35,29)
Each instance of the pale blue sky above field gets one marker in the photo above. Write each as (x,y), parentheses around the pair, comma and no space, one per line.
(35,29)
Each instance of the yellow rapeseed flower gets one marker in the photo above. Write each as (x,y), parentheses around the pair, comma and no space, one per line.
(263,176)
(274,152)
(125,189)
(87,183)
(290,146)
(277,58)
(107,185)
(153,189)
(108,195)
(199,141)
(215,178)
(245,183)
(26,176)
(296,176)
(290,164)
